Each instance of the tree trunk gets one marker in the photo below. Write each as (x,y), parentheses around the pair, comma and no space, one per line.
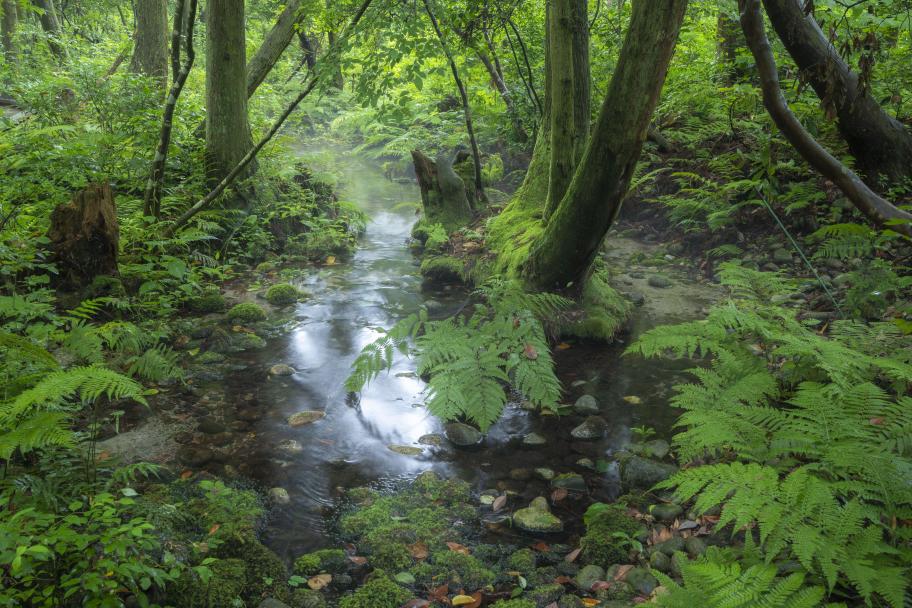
(274,44)
(228,135)
(150,48)
(443,192)
(563,253)
(728,40)
(581,109)
(563,122)
(51,26)
(880,144)
(868,202)
(84,237)
(8,25)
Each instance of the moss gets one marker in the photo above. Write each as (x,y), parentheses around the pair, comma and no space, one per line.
(517,603)
(421,231)
(247,312)
(224,588)
(463,570)
(282,294)
(317,245)
(390,556)
(545,594)
(266,573)
(437,239)
(604,543)
(443,268)
(266,267)
(522,561)
(439,490)
(307,598)
(379,592)
(208,302)
(324,560)
(605,309)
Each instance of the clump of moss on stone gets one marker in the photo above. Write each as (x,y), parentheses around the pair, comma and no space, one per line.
(378,592)
(517,603)
(605,310)
(606,539)
(463,570)
(443,268)
(282,294)
(522,561)
(323,560)
(223,588)
(247,312)
(317,245)
(437,239)
(208,302)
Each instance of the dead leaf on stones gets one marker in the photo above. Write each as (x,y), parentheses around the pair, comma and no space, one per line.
(319,581)
(457,548)
(571,557)
(357,560)
(559,494)
(418,550)
(499,503)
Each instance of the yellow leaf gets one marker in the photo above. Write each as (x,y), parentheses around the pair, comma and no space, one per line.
(589,601)
(331,260)
(462,600)
(632,399)
(319,581)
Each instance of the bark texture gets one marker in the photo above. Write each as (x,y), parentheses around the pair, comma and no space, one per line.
(150,47)
(880,144)
(565,250)
(443,192)
(563,122)
(868,202)
(228,136)
(274,44)
(51,26)
(8,28)
(84,236)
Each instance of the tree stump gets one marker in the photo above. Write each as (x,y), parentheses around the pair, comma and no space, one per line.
(84,237)
(443,192)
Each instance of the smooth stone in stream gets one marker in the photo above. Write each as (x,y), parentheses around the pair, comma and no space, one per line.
(272,603)
(305,417)
(782,256)
(210,426)
(659,281)
(586,406)
(534,440)
(280,496)
(594,427)
(666,512)
(290,446)
(537,518)
(642,581)
(639,473)
(570,481)
(463,435)
(431,439)
(194,456)
(282,370)
(406,450)
(545,473)
(588,576)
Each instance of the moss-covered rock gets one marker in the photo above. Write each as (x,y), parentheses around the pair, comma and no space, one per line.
(522,561)
(307,598)
(378,592)
(517,603)
(605,310)
(443,269)
(537,518)
(608,536)
(546,594)
(224,587)
(282,294)
(247,312)
(462,570)
(208,302)
(324,560)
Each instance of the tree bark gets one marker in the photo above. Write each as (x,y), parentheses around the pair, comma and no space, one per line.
(563,253)
(563,106)
(881,145)
(581,109)
(152,196)
(443,192)
(150,47)
(274,44)
(9,25)
(51,27)
(84,237)
(228,136)
(728,40)
(466,109)
(868,202)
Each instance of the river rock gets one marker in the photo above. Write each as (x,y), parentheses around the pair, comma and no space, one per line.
(695,546)
(210,426)
(282,370)
(781,255)
(406,450)
(588,576)
(586,405)
(656,448)
(534,440)
(537,518)
(273,603)
(290,446)
(660,562)
(431,439)
(463,435)
(280,496)
(638,473)
(305,417)
(545,473)
(521,474)
(666,512)
(593,427)
(194,455)
(642,581)
(570,481)
(659,281)
(247,414)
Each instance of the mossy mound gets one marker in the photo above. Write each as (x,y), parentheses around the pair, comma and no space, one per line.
(208,302)
(318,245)
(324,560)
(283,294)
(224,586)
(378,592)
(605,310)
(608,535)
(443,269)
(247,312)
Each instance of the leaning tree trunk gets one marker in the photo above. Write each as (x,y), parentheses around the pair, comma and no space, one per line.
(563,253)
(877,209)
(84,237)
(228,135)
(880,144)
(274,44)
(150,48)
(443,192)
(51,26)
(8,28)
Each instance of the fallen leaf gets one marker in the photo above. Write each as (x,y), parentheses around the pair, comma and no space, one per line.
(330,260)
(319,581)
(559,494)
(530,352)
(214,529)
(622,571)
(659,535)
(599,585)
(357,560)
(876,421)
(418,550)
(457,548)
(563,346)
(462,600)
(571,557)
(562,580)
(102,456)
(440,593)
(187,474)
(588,601)
(416,603)
(499,503)
(541,547)
(633,399)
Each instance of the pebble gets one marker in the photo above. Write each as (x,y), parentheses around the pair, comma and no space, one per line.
(280,496)
(281,370)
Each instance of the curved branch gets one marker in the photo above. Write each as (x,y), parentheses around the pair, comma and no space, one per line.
(877,209)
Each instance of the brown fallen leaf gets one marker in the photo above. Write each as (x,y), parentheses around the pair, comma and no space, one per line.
(214,529)
(418,550)
(571,557)
(319,581)
(541,547)
(457,548)
(530,352)
(588,601)
(357,560)
(416,603)
(563,346)
(462,600)
(559,494)
(186,474)
(622,571)
(599,585)
(562,580)
(499,503)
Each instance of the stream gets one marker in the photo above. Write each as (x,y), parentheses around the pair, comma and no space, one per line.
(350,446)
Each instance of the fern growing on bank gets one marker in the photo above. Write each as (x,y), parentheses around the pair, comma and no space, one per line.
(471,360)
(810,434)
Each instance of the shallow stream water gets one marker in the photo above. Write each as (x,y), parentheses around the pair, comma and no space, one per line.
(350,445)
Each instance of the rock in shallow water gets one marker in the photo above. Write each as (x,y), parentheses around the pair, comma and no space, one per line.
(463,435)
(594,427)
(281,370)
(588,576)
(305,417)
(406,450)
(586,405)
(280,496)
(534,440)
(537,518)
(642,473)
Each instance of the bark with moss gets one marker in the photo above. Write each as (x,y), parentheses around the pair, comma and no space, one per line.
(443,192)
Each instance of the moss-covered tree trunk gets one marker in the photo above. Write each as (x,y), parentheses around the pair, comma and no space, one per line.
(443,192)
(880,144)
(581,76)
(150,48)
(48,17)
(8,28)
(274,44)
(227,130)
(563,124)
(564,251)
